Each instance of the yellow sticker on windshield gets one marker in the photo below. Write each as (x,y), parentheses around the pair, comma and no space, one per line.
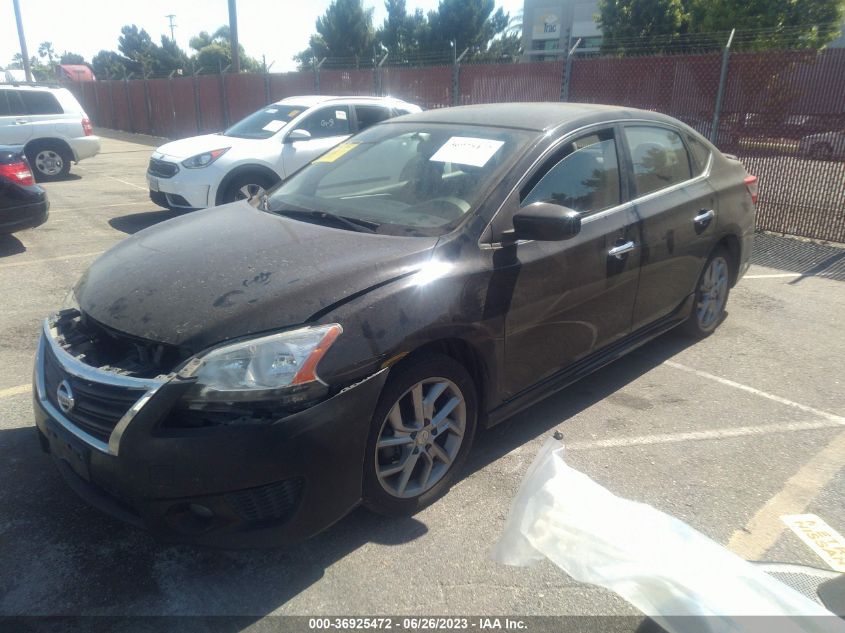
(333,154)
(293,113)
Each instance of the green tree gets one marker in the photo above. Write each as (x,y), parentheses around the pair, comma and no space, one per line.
(656,25)
(45,49)
(401,32)
(469,24)
(110,65)
(344,30)
(214,52)
(138,49)
(169,57)
(72,58)
(681,25)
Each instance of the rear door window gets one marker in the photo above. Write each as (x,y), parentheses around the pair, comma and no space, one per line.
(11,103)
(583,177)
(368,115)
(328,121)
(38,102)
(658,157)
(699,153)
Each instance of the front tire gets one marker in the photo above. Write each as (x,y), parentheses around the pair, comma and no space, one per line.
(421,434)
(249,187)
(49,161)
(711,295)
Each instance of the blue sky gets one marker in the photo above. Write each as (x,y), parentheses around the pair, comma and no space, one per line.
(275,28)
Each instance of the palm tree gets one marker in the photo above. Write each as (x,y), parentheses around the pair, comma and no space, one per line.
(45,49)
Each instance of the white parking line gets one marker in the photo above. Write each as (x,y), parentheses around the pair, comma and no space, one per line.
(736,385)
(29,262)
(15,391)
(775,276)
(131,184)
(711,434)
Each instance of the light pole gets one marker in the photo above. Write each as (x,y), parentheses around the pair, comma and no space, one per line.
(24,53)
(233,33)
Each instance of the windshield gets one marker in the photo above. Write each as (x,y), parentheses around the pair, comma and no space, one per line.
(405,178)
(266,122)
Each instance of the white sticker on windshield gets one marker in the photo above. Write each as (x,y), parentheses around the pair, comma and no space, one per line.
(271,110)
(466,150)
(274,126)
(340,114)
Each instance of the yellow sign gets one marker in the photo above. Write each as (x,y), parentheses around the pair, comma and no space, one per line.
(333,154)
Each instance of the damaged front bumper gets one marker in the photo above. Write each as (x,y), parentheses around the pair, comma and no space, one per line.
(228,486)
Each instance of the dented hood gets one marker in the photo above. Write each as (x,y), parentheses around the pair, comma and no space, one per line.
(231,271)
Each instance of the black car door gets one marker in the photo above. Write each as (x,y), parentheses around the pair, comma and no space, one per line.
(572,297)
(677,208)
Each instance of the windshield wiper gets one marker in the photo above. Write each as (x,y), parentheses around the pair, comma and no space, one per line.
(355,224)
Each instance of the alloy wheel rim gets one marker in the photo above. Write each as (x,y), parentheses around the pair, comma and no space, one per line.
(420,438)
(250,192)
(49,162)
(712,293)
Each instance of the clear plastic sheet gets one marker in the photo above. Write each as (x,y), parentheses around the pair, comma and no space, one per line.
(659,564)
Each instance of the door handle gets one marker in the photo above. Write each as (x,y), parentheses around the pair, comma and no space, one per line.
(21,121)
(704,216)
(620,251)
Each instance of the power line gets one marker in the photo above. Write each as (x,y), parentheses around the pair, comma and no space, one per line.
(170,18)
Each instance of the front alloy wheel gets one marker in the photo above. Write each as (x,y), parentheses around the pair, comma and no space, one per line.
(421,434)
(420,438)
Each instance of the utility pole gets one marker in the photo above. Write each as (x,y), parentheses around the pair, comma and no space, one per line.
(24,53)
(170,18)
(233,31)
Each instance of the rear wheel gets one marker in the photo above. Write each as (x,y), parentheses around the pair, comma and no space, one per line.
(49,161)
(711,295)
(421,434)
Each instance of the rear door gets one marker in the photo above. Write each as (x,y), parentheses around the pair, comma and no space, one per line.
(14,120)
(45,114)
(677,210)
(367,115)
(573,297)
(327,125)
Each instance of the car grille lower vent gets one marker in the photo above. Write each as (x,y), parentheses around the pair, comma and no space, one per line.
(162,169)
(97,408)
(274,502)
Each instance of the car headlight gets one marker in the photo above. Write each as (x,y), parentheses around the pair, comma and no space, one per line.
(262,368)
(205,159)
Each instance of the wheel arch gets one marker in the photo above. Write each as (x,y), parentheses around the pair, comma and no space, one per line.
(732,244)
(50,141)
(241,170)
(470,358)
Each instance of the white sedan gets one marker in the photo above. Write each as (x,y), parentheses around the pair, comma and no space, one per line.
(259,151)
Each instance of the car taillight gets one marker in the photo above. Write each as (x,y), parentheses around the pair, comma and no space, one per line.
(751,185)
(18,173)
(86,126)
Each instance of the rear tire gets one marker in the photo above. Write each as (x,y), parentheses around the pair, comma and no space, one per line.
(411,462)
(711,295)
(49,160)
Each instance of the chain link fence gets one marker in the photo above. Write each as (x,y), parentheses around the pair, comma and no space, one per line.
(782,113)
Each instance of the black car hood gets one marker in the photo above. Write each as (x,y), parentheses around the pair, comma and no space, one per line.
(233,270)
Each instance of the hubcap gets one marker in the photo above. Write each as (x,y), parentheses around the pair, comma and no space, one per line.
(420,437)
(712,293)
(49,162)
(250,193)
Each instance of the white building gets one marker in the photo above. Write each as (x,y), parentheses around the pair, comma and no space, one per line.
(551,27)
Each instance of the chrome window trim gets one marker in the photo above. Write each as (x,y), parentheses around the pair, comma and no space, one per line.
(600,214)
(85,372)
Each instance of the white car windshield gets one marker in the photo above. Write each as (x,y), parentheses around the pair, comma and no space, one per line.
(266,122)
(404,178)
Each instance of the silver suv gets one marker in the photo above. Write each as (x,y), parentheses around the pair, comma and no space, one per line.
(50,124)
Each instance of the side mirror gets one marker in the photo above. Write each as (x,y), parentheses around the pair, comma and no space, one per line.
(545,222)
(297,135)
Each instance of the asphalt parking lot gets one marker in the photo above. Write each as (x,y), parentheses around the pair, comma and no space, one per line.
(728,434)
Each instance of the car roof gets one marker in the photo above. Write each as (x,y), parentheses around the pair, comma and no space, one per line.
(17,85)
(535,116)
(312,100)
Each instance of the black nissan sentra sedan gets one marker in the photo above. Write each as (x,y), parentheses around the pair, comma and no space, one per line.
(246,375)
